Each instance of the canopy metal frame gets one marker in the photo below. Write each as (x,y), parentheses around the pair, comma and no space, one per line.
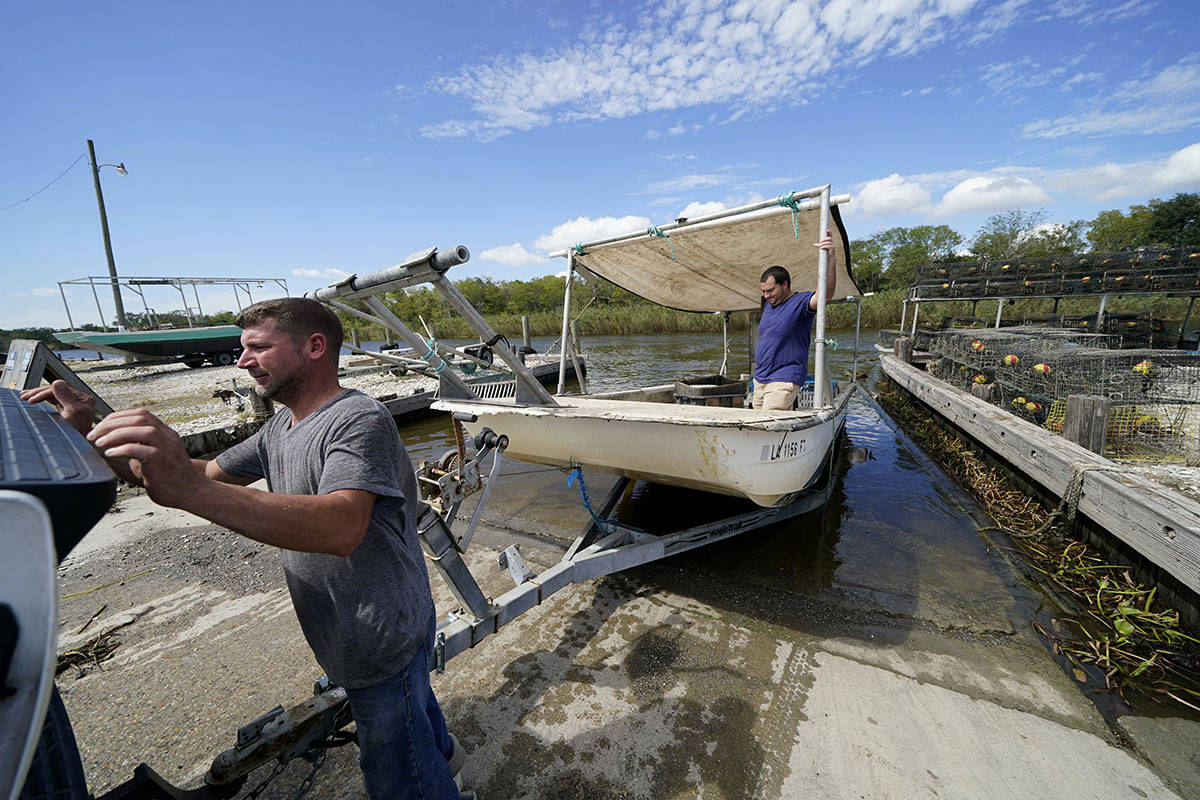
(137,284)
(817,197)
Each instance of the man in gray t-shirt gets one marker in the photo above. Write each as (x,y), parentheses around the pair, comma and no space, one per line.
(342,508)
(364,614)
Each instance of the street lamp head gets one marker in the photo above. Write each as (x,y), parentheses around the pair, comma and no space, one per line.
(121,169)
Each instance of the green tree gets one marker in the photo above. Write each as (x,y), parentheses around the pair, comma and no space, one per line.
(900,251)
(1052,239)
(1175,222)
(869,258)
(1115,230)
(1002,234)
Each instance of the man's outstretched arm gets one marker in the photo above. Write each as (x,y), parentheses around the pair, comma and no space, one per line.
(333,523)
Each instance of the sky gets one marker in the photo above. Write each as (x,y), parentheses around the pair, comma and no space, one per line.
(310,141)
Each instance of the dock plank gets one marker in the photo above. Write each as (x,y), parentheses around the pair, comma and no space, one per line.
(1161,524)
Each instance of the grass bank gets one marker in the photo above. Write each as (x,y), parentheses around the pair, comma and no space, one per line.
(880,311)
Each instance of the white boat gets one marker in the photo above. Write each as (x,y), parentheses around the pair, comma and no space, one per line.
(711,264)
(766,456)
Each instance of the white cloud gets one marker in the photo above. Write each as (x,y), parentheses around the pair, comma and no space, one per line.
(695,210)
(45,291)
(511,255)
(698,52)
(892,195)
(586,229)
(694,180)
(1179,171)
(1163,103)
(983,194)
(331,273)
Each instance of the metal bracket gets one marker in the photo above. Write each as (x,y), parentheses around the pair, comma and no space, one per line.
(511,560)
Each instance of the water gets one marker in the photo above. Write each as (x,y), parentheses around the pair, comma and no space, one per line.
(895,541)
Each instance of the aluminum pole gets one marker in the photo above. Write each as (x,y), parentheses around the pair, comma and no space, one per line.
(71,322)
(416,343)
(999,311)
(1100,313)
(820,378)
(566,326)
(903,314)
(916,311)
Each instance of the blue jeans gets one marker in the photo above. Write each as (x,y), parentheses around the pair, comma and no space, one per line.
(404,747)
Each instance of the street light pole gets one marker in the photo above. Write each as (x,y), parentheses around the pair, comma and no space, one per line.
(112,266)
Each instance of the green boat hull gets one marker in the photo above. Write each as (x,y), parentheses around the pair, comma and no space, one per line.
(184,343)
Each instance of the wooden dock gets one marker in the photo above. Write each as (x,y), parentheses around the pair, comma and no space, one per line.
(1160,524)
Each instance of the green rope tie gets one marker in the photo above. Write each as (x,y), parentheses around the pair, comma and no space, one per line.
(432,345)
(789,201)
(830,343)
(655,231)
(579,248)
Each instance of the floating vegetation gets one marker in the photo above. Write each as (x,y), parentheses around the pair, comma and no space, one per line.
(1120,628)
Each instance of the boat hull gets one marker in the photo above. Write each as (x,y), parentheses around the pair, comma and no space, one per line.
(177,343)
(737,452)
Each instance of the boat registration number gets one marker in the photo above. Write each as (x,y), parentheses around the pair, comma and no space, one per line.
(784,451)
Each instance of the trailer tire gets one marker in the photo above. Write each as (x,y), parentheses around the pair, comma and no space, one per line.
(56,772)
(194,363)
(224,359)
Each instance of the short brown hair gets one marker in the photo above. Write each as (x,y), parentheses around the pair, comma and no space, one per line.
(298,317)
(777,274)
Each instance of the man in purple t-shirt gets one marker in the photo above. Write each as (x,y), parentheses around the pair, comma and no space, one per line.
(784,333)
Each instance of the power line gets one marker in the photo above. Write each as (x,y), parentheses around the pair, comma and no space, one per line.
(44,188)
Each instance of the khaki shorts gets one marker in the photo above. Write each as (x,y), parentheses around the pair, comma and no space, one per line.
(775,396)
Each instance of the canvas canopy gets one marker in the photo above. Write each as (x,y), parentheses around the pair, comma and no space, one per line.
(716,266)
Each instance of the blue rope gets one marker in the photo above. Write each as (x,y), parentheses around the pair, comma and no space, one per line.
(830,343)
(655,231)
(789,201)
(579,248)
(577,473)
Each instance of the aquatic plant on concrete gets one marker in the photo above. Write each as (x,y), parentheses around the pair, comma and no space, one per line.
(1119,626)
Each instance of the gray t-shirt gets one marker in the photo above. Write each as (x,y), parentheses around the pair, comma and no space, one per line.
(365,614)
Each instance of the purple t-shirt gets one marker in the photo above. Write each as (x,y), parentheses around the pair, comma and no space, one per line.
(783,338)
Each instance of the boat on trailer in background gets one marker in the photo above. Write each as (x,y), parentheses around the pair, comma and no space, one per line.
(193,344)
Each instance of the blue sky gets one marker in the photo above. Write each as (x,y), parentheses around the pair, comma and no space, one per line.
(309,141)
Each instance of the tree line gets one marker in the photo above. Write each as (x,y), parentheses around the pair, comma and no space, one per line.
(888,259)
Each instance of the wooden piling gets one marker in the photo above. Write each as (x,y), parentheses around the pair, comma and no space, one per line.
(903,349)
(1086,421)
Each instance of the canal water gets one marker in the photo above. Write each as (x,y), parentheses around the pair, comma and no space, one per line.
(898,547)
